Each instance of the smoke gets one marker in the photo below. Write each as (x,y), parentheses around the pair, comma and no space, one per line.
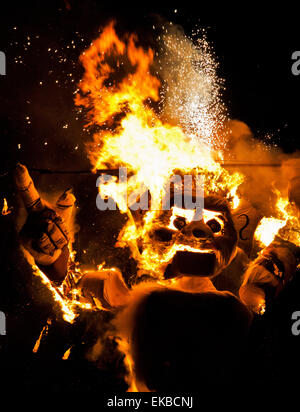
(266,168)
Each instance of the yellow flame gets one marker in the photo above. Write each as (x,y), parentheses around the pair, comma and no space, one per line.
(268,229)
(67,354)
(38,342)
(286,225)
(5,210)
(133,136)
(261,308)
(67,310)
(234,197)
(68,303)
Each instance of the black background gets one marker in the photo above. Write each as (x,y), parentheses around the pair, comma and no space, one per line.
(253,46)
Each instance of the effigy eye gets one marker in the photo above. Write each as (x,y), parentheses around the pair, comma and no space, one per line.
(214,225)
(179,222)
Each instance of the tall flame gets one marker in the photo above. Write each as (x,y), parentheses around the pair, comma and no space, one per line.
(120,95)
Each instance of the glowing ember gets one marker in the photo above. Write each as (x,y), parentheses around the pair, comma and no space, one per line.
(68,303)
(119,93)
(262,308)
(68,313)
(38,342)
(5,210)
(67,354)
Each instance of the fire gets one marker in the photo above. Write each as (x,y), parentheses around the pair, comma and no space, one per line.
(119,93)
(133,136)
(268,229)
(69,304)
(130,378)
(286,224)
(235,197)
(67,310)
(99,93)
(44,331)
(67,354)
(5,210)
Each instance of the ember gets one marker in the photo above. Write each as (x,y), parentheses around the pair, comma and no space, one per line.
(5,210)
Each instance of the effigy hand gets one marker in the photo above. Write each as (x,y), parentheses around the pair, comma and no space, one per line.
(46,232)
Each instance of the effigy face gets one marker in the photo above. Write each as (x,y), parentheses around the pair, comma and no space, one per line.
(192,242)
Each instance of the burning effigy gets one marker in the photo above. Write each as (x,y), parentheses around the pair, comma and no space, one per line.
(210,256)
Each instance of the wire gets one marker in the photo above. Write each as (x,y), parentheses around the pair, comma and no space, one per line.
(60,172)
(116,171)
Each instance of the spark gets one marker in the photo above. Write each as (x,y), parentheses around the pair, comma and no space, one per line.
(67,354)
(192,89)
(38,342)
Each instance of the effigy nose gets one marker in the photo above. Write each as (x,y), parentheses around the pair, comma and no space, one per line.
(198,230)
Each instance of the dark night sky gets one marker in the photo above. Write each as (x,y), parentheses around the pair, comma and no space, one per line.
(253,48)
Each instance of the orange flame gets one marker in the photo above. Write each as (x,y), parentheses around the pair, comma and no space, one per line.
(133,136)
(100,94)
(286,224)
